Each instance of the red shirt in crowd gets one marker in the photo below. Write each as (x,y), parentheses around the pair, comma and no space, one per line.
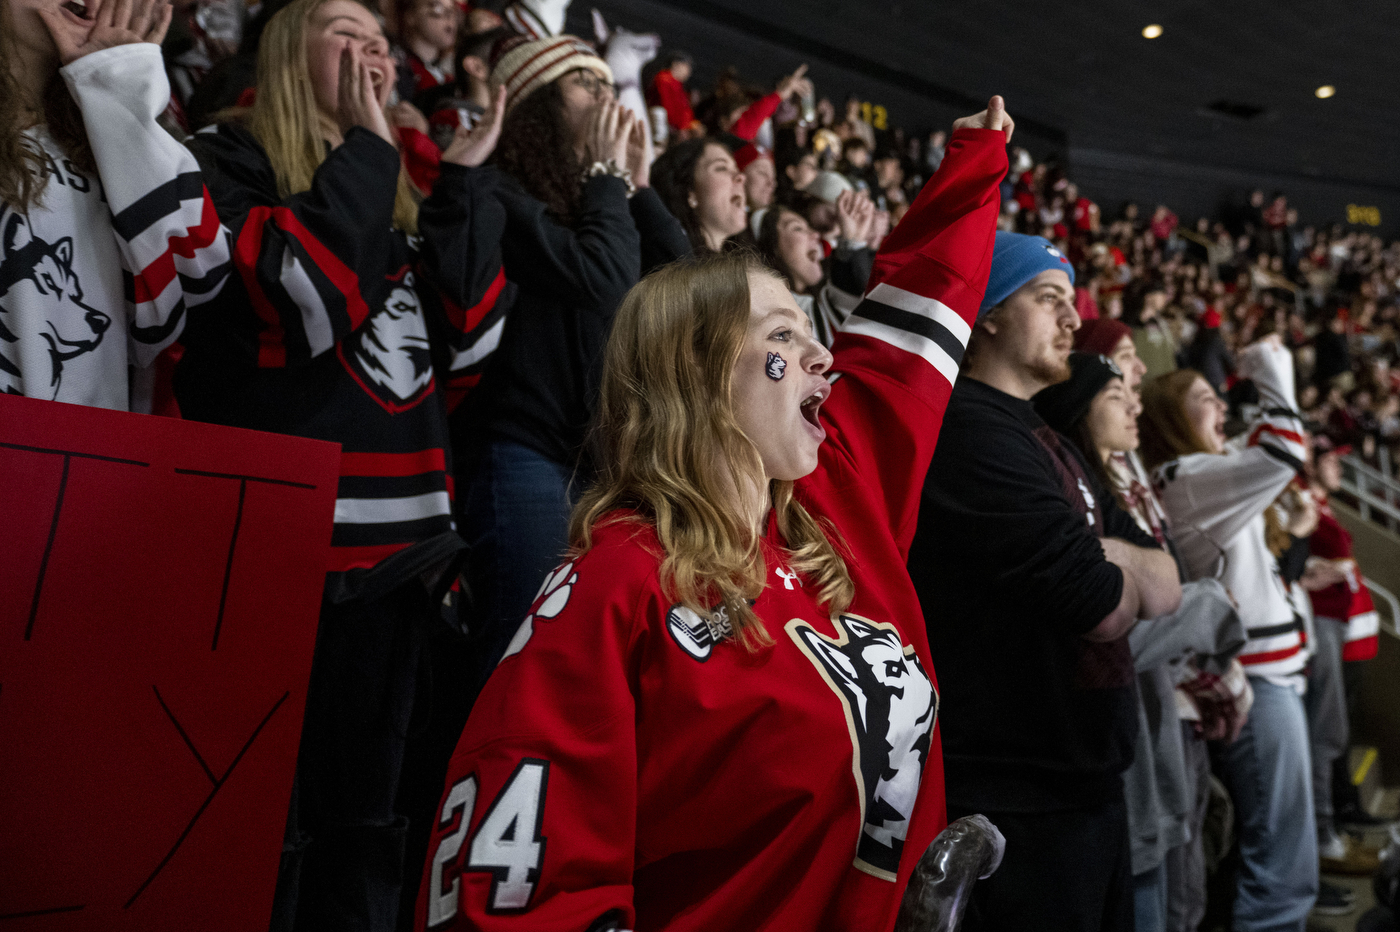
(1082,214)
(667,92)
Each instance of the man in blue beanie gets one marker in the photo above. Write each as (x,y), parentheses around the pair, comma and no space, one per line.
(1030,578)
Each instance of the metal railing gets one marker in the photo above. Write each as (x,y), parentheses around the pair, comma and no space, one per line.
(1381,594)
(1377,491)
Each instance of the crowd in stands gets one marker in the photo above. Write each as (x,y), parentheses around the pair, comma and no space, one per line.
(500,266)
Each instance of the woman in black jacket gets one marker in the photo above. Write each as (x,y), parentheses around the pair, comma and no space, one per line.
(582,226)
(327,331)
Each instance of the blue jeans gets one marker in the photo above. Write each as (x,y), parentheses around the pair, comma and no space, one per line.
(517,523)
(1150,899)
(1269,774)
(1327,717)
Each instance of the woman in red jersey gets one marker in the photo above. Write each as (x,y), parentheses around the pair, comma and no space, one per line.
(720,713)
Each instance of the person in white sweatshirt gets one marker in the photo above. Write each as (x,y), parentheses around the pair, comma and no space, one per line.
(1216,494)
(107,235)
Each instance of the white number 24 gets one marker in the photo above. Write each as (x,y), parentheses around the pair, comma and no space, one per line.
(507,843)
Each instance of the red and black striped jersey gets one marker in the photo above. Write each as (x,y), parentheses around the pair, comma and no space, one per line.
(332,326)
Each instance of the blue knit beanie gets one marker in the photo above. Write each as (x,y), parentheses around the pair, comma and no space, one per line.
(1016,259)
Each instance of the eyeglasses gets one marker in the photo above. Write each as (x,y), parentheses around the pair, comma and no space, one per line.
(592,83)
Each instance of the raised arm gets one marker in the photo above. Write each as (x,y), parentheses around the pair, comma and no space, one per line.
(1218,495)
(898,356)
(302,258)
(461,225)
(167,231)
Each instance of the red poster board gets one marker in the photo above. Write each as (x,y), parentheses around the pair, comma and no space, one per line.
(160,583)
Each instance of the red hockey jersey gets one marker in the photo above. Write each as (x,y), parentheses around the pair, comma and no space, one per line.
(628,765)
(1348,603)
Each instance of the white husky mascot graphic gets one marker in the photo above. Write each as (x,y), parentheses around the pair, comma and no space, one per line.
(391,349)
(891,706)
(38,276)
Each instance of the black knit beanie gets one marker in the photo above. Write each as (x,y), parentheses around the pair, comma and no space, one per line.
(1063,405)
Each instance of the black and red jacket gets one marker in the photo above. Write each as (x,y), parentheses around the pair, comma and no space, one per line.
(332,328)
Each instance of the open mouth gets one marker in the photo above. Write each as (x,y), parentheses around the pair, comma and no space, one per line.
(809,408)
(77,7)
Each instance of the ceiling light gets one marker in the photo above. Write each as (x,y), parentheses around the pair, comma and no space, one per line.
(1325,91)
(1151,32)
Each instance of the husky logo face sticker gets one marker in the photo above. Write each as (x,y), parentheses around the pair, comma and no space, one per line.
(389,354)
(777,365)
(891,707)
(39,275)
(554,594)
(695,635)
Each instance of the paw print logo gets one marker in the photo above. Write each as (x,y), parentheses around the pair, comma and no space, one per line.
(549,602)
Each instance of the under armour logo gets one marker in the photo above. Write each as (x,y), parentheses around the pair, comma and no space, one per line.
(788,577)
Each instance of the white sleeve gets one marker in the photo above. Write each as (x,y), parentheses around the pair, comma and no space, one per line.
(1270,368)
(1218,495)
(167,231)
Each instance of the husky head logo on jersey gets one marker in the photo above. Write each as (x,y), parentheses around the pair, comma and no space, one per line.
(39,275)
(891,707)
(391,349)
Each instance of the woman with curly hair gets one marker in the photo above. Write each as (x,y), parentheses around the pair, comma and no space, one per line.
(582,225)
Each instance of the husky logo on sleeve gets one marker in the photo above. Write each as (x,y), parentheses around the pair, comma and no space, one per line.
(37,277)
(891,707)
(390,355)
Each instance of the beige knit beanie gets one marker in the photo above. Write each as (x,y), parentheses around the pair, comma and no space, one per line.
(529,66)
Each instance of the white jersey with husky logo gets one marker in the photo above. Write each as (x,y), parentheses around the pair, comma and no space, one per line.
(100,271)
(62,309)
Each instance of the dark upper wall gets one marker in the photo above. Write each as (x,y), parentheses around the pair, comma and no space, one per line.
(1080,78)
(718,38)
(1201,190)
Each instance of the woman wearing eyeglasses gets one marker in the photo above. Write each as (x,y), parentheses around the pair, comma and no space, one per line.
(582,226)
(1216,494)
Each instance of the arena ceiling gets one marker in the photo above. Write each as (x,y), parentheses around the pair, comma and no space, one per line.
(1083,73)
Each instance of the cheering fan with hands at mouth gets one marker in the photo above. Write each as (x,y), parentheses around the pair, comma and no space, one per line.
(582,224)
(348,296)
(104,25)
(84,177)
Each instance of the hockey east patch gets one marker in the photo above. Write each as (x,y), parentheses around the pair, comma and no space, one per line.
(891,706)
(696,635)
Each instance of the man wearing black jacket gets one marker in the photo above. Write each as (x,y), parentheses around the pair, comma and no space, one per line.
(1030,578)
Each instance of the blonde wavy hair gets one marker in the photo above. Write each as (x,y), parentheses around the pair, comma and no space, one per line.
(284,117)
(669,447)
